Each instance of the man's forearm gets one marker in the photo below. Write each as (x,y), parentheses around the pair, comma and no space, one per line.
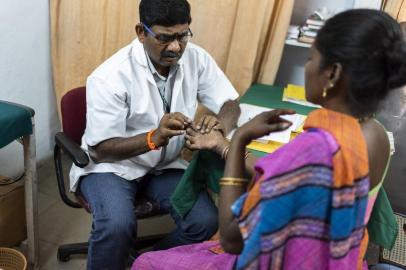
(229,114)
(116,149)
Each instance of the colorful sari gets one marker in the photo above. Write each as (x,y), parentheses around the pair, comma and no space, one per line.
(306,209)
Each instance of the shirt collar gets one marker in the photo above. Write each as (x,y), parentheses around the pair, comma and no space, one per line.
(153,69)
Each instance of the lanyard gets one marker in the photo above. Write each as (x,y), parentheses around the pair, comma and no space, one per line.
(167,108)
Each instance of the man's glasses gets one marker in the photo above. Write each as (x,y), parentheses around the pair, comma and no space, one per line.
(164,39)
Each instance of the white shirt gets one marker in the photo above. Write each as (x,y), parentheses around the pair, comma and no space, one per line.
(123,101)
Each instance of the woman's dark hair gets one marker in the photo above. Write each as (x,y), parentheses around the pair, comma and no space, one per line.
(165,12)
(369,46)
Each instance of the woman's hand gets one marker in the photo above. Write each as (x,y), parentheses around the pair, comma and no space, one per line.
(263,124)
(213,140)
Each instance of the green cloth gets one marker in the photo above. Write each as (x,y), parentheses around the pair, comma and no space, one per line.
(382,225)
(15,122)
(204,171)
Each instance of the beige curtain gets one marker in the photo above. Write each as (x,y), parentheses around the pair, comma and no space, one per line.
(245,37)
(396,8)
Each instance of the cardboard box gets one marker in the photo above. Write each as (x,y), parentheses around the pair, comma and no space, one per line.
(12,213)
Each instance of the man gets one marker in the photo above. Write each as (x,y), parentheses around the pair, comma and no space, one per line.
(139,104)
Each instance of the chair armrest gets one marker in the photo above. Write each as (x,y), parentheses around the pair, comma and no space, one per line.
(72,149)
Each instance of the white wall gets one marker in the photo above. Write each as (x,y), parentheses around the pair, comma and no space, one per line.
(25,73)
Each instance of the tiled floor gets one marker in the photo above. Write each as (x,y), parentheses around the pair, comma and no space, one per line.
(59,224)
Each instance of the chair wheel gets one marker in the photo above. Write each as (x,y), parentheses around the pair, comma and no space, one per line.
(62,256)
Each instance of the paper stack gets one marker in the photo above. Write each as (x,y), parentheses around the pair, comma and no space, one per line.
(249,111)
(293,32)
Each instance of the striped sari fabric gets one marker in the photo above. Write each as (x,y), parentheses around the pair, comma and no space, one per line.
(307,207)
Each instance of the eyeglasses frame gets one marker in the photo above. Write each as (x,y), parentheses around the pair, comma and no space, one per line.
(176,36)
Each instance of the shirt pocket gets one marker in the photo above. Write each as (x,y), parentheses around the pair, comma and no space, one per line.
(143,115)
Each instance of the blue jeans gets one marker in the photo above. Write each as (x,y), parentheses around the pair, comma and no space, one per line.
(114,227)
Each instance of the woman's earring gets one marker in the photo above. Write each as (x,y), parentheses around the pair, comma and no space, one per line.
(324,92)
(325,89)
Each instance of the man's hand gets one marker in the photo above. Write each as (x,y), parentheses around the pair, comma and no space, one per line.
(209,122)
(171,124)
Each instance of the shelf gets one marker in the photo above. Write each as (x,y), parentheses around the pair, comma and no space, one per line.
(294,42)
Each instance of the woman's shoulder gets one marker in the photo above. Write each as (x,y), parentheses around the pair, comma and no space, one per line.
(378,146)
(375,135)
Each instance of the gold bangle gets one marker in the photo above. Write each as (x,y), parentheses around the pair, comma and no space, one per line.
(233,181)
(238,179)
(231,184)
(247,153)
(225,152)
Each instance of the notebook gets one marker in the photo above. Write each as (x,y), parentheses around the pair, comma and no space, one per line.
(296,94)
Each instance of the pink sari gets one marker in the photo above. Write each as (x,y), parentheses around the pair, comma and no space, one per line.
(198,257)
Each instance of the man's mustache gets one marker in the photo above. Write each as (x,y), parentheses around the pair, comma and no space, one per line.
(169,54)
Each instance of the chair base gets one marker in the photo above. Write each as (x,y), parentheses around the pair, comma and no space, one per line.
(148,241)
(65,251)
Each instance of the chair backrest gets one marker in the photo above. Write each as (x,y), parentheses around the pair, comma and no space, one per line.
(73,113)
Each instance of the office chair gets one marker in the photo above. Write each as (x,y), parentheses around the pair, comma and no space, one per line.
(73,115)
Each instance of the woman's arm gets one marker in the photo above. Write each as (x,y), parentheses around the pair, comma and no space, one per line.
(230,236)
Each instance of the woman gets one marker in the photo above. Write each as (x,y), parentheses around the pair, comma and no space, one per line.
(309,201)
